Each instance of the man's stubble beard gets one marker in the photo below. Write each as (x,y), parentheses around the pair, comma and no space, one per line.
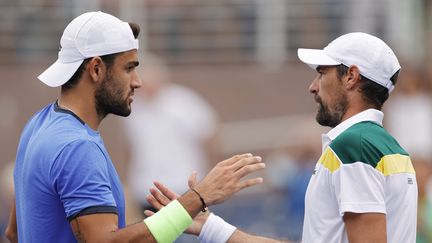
(331,117)
(109,99)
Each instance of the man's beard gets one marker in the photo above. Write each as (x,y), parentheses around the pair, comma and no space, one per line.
(109,99)
(331,118)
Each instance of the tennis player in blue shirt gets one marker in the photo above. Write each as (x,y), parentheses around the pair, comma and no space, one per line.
(67,189)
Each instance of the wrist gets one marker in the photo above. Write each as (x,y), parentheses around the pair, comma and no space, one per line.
(170,222)
(191,202)
(199,222)
(215,230)
(204,194)
(204,205)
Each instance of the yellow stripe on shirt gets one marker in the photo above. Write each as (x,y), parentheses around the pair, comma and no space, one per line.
(395,164)
(329,160)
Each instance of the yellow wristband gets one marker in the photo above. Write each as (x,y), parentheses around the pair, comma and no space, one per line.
(169,223)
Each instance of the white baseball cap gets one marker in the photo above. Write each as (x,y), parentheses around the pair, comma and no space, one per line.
(374,58)
(89,35)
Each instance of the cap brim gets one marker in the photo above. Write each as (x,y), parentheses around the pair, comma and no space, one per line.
(315,57)
(59,73)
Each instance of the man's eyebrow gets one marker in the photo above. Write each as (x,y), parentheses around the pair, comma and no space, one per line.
(132,64)
(135,63)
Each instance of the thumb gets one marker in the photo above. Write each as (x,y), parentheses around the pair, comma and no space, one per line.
(148,213)
(192,179)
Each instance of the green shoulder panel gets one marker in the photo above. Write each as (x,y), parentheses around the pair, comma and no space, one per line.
(365,142)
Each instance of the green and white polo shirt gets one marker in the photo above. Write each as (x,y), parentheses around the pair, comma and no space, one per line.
(363,169)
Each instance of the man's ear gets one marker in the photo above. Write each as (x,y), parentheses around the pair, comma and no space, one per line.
(96,69)
(354,77)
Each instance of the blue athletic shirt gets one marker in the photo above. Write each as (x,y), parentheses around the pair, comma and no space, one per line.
(62,171)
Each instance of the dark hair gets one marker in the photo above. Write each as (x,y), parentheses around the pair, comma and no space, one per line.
(372,92)
(135,29)
(76,76)
(107,59)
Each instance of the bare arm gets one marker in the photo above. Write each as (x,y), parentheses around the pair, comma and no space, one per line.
(240,236)
(366,227)
(220,184)
(11,230)
(103,228)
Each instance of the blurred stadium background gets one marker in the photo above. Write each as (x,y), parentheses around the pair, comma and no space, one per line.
(240,55)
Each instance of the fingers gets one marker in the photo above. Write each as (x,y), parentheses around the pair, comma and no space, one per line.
(192,181)
(148,213)
(166,191)
(250,182)
(234,159)
(159,197)
(224,179)
(247,169)
(246,161)
(154,202)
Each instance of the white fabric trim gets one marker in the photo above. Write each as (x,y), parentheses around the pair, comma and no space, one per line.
(215,230)
(367,115)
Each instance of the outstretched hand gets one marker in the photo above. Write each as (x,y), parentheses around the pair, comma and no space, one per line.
(162,195)
(225,179)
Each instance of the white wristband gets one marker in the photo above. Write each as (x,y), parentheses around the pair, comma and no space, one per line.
(215,230)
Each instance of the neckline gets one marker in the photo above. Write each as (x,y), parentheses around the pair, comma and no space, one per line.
(57,108)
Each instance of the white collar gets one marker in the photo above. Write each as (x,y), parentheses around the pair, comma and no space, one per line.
(367,115)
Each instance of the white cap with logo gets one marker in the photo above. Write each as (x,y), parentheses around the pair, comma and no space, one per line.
(88,35)
(374,58)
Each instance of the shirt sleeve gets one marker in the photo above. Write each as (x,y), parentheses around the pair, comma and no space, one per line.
(359,188)
(80,177)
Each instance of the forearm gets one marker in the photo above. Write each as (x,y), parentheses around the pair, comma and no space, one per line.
(138,232)
(164,226)
(240,237)
(215,229)
(103,228)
